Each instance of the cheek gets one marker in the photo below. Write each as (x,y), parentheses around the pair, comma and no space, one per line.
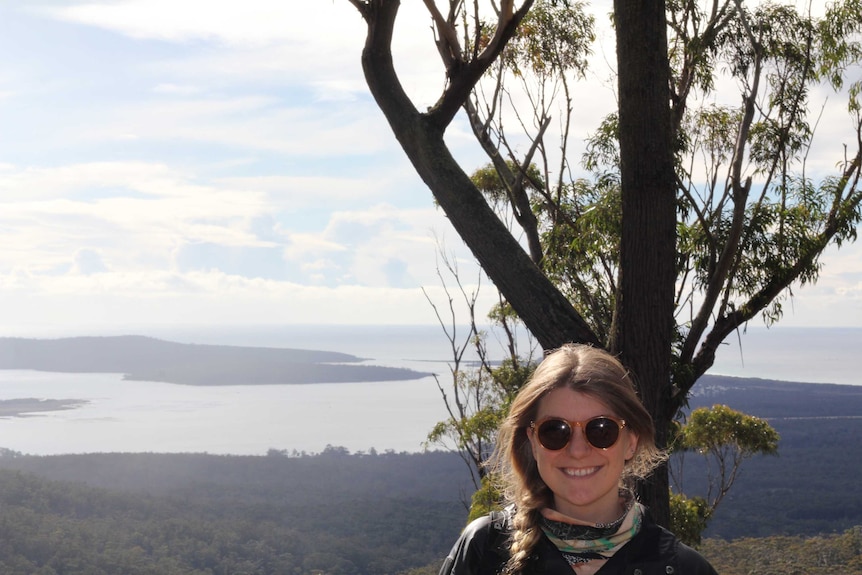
(532,443)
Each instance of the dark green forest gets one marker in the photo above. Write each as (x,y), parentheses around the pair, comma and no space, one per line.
(335,512)
(390,513)
(199,514)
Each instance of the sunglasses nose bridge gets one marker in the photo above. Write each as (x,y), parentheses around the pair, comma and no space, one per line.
(578,438)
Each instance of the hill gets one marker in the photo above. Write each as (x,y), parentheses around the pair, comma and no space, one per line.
(386,513)
(149,359)
(139,514)
(334,512)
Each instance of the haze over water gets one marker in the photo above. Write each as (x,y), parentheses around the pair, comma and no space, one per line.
(133,416)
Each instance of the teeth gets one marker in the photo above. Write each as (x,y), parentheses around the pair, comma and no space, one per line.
(579,472)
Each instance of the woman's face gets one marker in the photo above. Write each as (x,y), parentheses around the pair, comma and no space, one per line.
(584,479)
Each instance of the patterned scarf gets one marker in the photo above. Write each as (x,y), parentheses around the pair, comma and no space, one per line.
(581,542)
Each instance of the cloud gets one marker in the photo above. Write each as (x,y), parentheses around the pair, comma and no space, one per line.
(131,214)
(203,298)
(380,246)
(295,193)
(187,161)
(88,262)
(176,89)
(121,218)
(250,262)
(249,22)
(397,273)
(321,42)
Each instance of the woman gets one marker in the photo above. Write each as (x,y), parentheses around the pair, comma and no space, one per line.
(568,453)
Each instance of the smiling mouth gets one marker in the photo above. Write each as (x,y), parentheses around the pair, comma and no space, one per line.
(579,472)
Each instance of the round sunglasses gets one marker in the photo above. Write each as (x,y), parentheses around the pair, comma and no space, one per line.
(555,433)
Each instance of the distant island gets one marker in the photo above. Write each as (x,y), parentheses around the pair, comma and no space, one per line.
(143,358)
(27,406)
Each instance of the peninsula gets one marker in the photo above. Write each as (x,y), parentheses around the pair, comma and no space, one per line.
(143,358)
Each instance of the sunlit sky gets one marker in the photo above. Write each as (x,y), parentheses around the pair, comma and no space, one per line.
(200,162)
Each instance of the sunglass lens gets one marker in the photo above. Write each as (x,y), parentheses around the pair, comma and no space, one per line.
(554,434)
(602,432)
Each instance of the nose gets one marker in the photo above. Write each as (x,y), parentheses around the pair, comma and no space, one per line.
(578,445)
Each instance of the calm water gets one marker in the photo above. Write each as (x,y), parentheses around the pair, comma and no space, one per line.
(157,417)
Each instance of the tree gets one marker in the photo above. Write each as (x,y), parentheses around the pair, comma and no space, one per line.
(719,217)
(724,438)
(643,333)
(480,392)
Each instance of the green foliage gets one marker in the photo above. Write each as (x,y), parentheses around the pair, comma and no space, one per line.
(488,180)
(688,518)
(483,396)
(792,490)
(581,231)
(720,428)
(510,376)
(480,394)
(724,437)
(481,406)
(778,220)
(582,235)
(486,499)
(479,426)
(554,37)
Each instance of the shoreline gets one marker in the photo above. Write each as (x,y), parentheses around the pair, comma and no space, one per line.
(33,406)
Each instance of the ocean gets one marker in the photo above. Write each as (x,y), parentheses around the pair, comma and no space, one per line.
(134,416)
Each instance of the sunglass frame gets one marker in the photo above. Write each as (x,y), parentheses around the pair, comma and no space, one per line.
(536,427)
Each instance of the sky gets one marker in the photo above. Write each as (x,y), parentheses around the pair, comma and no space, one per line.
(204,162)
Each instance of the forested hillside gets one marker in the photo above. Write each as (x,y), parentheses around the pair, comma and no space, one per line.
(391,513)
(198,514)
(338,513)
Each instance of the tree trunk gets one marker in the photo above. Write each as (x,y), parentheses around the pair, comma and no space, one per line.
(645,304)
(545,311)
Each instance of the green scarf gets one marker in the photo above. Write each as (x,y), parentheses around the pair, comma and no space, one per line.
(580,542)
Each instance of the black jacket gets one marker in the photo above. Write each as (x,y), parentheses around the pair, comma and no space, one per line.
(482,550)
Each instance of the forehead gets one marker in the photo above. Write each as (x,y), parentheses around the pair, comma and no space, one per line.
(572,405)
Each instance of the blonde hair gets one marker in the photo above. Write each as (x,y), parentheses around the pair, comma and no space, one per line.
(587,370)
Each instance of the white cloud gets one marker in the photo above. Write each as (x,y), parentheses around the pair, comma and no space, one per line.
(248,123)
(88,262)
(204,160)
(203,298)
(30,184)
(836,299)
(132,214)
(249,22)
(321,41)
(295,193)
(305,246)
(176,89)
(125,218)
(377,246)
